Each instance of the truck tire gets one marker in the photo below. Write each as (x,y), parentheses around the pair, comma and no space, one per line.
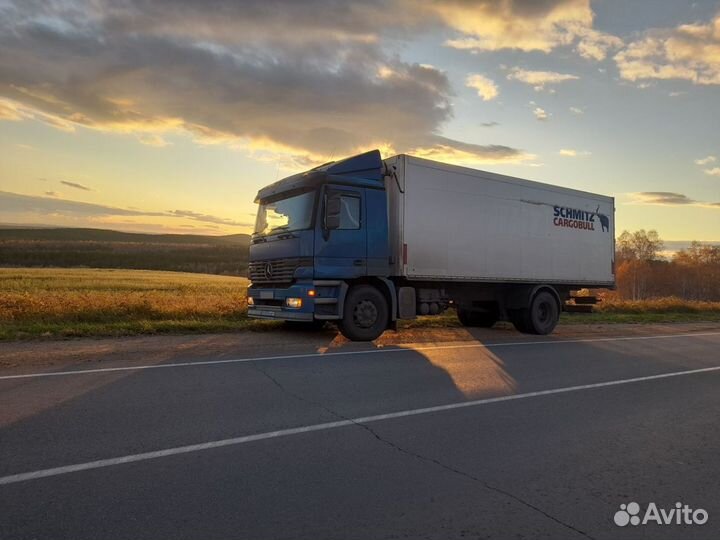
(479,319)
(365,315)
(540,317)
(517,318)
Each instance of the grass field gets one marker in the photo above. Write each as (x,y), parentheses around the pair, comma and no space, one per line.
(78,302)
(56,302)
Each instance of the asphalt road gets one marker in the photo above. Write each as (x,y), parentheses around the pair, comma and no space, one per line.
(496,437)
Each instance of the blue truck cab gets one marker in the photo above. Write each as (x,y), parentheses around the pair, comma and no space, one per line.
(319,234)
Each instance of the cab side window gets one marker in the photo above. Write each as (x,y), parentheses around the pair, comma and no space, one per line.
(349,212)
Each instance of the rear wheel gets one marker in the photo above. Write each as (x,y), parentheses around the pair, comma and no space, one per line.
(517,317)
(482,319)
(540,317)
(365,315)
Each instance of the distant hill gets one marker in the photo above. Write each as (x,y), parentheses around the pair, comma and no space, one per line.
(107,235)
(102,248)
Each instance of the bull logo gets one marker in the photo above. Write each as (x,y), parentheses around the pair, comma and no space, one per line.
(604,221)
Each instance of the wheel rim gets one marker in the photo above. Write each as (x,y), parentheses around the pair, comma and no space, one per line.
(543,313)
(365,314)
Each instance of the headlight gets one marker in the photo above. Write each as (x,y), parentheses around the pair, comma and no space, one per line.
(293,302)
(251,302)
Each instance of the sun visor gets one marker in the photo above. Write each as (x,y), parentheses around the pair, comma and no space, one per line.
(368,166)
(362,170)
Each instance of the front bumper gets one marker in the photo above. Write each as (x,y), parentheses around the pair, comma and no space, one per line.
(325,305)
(270,302)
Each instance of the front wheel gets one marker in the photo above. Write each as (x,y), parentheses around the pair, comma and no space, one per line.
(365,314)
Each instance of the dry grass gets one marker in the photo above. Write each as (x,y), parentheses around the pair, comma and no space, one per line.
(657,305)
(36,301)
(51,295)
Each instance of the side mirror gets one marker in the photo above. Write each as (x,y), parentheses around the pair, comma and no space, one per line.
(332,212)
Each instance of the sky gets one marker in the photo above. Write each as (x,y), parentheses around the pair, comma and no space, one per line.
(169,115)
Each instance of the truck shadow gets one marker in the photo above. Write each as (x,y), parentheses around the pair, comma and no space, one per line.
(444,350)
(479,374)
(77,418)
(355,384)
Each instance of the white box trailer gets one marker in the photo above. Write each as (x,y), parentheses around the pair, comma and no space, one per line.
(450,223)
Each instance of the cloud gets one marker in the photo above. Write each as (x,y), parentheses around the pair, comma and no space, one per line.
(52,193)
(14,110)
(663,198)
(690,52)
(486,88)
(75,185)
(153,139)
(596,45)
(231,73)
(207,218)
(576,110)
(569,152)
(9,111)
(706,160)
(489,124)
(540,113)
(667,198)
(527,25)
(16,203)
(715,171)
(538,79)
(443,149)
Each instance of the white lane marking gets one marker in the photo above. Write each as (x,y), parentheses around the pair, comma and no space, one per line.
(384,349)
(55,471)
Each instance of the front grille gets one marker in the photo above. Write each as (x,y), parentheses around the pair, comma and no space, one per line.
(276,270)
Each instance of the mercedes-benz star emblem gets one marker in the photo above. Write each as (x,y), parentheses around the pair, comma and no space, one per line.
(268,270)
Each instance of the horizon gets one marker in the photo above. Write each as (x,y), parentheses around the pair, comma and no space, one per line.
(669,248)
(158,121)
(41,227)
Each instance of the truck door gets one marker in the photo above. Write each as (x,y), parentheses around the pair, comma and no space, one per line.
(341,237)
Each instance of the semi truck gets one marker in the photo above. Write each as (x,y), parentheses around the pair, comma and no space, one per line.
(365,242)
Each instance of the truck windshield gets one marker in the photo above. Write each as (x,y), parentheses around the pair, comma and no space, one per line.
(289,214)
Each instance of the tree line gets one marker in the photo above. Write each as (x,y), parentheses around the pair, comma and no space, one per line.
(640,271)
(97,248)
